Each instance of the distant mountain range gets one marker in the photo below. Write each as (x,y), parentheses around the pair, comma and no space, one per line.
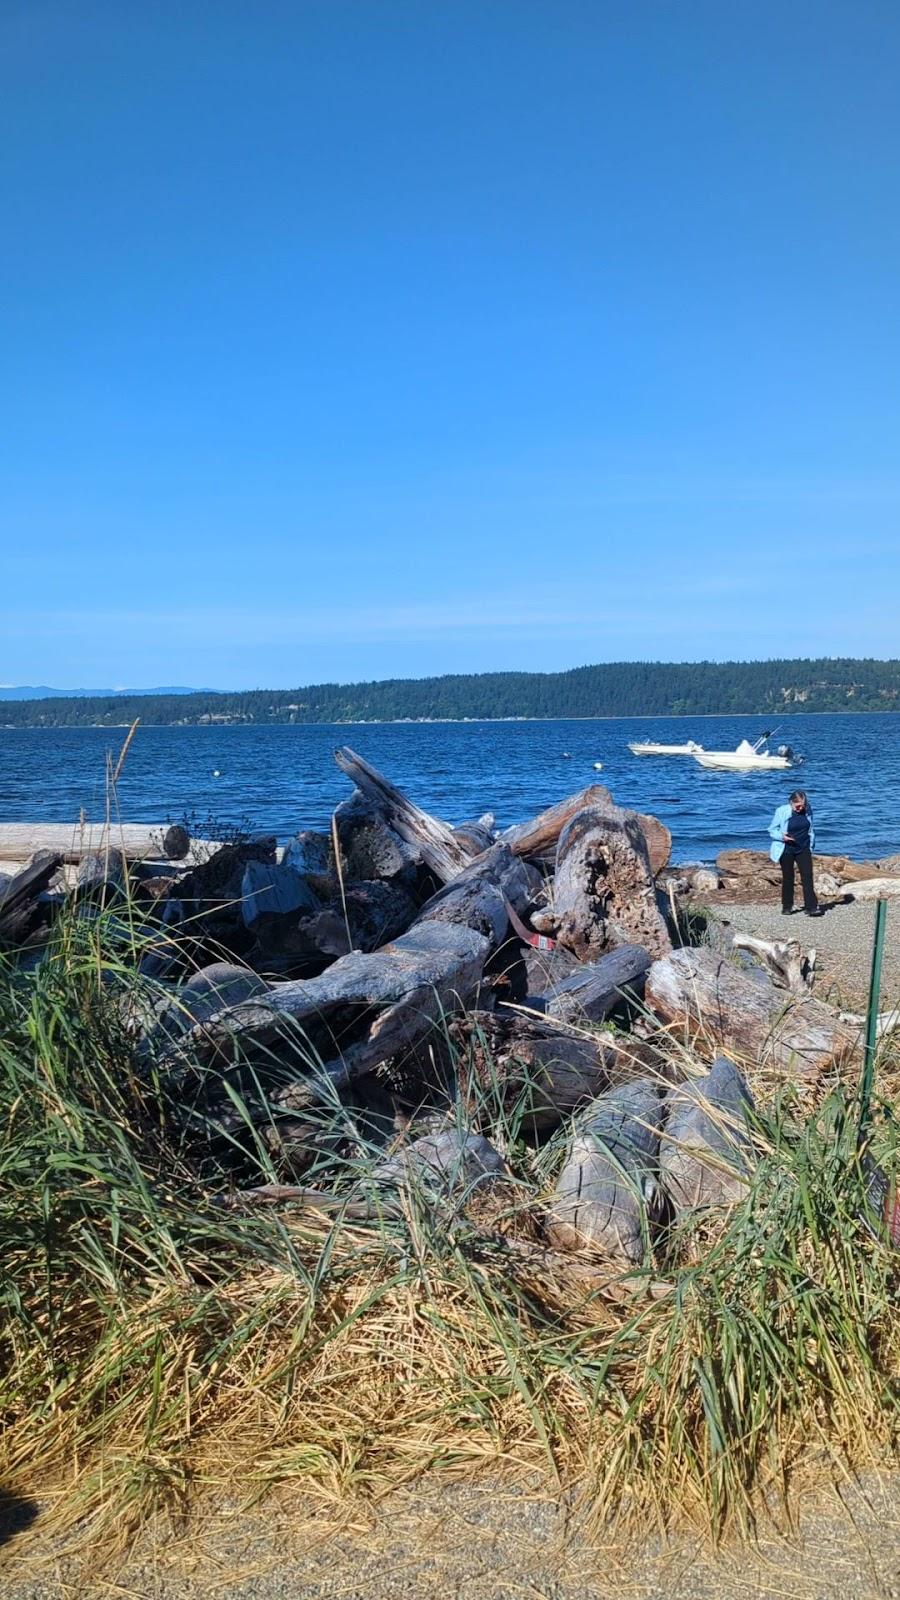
(40,691)
(613,689)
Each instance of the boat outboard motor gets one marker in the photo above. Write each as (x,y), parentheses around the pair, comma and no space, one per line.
(786,751)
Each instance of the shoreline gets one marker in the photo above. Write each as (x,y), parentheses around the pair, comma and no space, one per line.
(426,722)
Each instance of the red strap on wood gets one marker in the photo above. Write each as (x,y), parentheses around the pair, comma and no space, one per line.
(538,941)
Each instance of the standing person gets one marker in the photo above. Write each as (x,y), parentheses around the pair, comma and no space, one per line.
(793,839)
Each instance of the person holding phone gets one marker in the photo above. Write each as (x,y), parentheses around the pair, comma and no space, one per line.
(793,840)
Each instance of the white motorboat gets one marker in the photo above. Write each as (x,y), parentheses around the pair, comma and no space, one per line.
(748,757)
(650,749)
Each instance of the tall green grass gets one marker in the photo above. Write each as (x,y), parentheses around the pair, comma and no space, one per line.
(159,1336)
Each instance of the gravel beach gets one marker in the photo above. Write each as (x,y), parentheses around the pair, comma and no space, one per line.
(492,1541)
(843,938)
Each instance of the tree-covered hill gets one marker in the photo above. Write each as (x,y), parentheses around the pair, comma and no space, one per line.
(616,689)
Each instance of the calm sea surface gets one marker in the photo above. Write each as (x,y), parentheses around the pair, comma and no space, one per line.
(280,779)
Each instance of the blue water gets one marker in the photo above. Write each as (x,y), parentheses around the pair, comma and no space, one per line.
(281,779)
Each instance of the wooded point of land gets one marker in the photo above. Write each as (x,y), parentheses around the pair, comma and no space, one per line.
(614,689)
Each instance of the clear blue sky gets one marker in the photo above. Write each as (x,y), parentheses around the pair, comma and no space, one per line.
(352,339)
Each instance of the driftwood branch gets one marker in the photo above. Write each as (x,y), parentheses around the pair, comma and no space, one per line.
(593,991)
(360,1012)
(788,966)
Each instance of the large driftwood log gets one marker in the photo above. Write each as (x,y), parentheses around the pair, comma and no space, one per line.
(873,888)
(788,966)
(476,835)
(538,1071)
(479,896)
(540,836)
(593,991)
(445,854)
(705,1150)
(701,993)
(74,840)
(603,889)
(360,1012)
(601,1196)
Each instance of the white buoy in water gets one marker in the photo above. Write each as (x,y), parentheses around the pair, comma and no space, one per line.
(216,772)
(598,766)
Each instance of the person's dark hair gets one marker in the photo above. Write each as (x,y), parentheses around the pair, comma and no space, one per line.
(798,794)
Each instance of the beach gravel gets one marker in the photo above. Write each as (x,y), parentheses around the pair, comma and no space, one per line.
(843,938)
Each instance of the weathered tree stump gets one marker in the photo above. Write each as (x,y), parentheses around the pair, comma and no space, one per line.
(603,889)
(658,840)
(21,909)
(370,847)
(435,841)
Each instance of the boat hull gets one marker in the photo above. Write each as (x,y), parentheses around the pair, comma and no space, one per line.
(664,749)
(728,761)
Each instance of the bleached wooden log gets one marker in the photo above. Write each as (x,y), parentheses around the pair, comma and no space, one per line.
(610,1175)
(445,854)
(886,1022)
(701,994)
(479,896)
(540,836)
(360,1012)
(788,966)
(594,990)
(873,888)
(74,840)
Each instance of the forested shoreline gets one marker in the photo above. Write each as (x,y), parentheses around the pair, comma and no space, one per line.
(615,689)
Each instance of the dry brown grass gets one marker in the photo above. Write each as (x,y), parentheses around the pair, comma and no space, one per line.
(160,1341)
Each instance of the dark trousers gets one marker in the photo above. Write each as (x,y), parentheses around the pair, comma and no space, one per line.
(804,864)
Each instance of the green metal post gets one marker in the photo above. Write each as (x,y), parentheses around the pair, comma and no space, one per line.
(867,1081)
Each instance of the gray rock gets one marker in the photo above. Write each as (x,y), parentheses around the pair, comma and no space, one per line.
(705,1149)
(308,853)
(269,888)
(207,992)
(450,1161)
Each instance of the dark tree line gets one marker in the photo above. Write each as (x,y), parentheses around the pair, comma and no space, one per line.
(617,689)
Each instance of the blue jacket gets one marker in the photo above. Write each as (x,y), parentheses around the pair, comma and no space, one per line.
(778,826)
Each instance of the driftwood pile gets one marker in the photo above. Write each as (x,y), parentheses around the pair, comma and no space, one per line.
(415,973)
